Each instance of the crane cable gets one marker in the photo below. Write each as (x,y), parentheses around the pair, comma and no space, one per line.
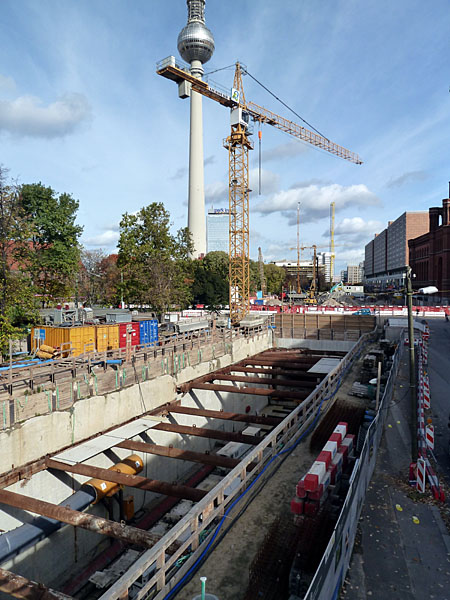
(245,71)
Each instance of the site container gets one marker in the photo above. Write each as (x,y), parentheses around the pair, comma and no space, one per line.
(107,337)
(80,339)
(133,329)
(148,332)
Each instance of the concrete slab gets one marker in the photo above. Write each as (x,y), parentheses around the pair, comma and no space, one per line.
(87,450)
(324,365)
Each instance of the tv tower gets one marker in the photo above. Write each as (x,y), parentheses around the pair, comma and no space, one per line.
(196,46)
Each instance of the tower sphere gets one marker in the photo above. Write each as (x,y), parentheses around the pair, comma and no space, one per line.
(195,42)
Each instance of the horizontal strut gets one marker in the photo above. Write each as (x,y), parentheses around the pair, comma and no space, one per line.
(150,485)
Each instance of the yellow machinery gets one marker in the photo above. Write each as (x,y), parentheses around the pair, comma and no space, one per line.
(238,144)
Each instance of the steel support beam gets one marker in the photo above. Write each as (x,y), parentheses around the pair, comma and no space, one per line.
(214,387)
(149,485)
(290,365)
(208,433)
(266,381)
(198,457)
(227,416)
(130,535)
(278,371)
(19,587)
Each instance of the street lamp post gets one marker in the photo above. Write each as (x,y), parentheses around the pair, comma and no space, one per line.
(412,366)
(431,289)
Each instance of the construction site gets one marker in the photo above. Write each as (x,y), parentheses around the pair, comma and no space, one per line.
(235,446)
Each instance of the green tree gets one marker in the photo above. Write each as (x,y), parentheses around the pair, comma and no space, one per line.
(156,267)
(55,255)
(17,301)
(210,285)
(275,277)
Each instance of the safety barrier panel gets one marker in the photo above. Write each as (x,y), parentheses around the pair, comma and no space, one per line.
(196,530)
(336,559)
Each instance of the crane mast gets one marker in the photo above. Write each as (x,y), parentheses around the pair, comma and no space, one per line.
(332,205)
(238,144)
(262,277)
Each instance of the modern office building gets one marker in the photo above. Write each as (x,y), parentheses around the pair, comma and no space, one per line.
(217,230)
(355,274)
(430,253)
(387,254)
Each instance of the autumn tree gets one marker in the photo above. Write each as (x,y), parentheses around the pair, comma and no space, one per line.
(17,301)
(55,255)
(155,263)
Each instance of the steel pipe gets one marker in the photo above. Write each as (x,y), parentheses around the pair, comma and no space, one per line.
(130,535)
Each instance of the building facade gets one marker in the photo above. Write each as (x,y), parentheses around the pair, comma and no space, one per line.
(388,253)
(355,274)
(217,229)
(430,253)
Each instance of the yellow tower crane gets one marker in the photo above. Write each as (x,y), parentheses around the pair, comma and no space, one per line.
(238,144)
(332,257)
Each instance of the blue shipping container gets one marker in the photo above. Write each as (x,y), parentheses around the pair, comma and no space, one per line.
(148,332)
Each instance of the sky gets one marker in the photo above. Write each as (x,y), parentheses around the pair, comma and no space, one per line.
(83,111)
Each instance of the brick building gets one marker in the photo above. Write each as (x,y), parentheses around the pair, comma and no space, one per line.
(388,253)
(430,253)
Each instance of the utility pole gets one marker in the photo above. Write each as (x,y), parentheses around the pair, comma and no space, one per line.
(298,248)
(412,367)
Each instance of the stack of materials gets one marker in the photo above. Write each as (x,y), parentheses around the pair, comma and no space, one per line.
(46,352)
(313,489)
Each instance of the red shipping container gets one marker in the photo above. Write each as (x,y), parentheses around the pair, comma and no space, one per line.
(134,334)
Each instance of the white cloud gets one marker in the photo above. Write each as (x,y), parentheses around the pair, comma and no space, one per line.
(315,201)
(409,177)
(27,116)
(270,182)
(179,173)
(287,150)
(216,192)
(107,239)
(355,226)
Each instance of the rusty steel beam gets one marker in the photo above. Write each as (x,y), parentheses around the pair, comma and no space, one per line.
(214,387)
(149,485)
(19,587)
(130,535)
(278,371)
(208,433)
(228,416)
(170,452)
(296,366)
(268,381)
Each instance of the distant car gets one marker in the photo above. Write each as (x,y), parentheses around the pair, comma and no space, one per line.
(416,341)
(363,311)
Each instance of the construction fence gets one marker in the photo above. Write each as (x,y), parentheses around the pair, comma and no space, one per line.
(333,567)
(42,390)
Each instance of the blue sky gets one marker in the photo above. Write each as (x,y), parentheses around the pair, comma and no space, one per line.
(83,111)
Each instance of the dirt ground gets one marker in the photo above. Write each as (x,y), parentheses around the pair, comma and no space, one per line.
(227,566)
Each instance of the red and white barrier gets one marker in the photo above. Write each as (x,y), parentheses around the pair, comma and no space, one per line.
(421,475)
(429,436)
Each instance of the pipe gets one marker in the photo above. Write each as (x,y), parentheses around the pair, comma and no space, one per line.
(130,535)
(16,541)
(203,580)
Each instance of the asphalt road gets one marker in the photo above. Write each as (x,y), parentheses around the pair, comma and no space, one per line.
(439,374)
